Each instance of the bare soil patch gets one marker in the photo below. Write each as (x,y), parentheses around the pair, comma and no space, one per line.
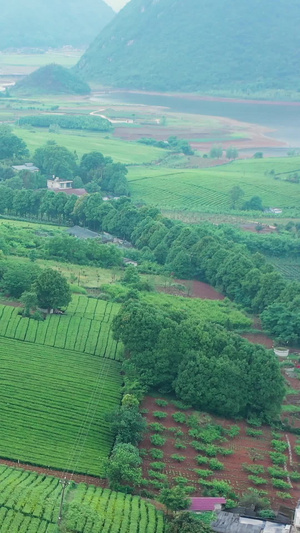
(194,289)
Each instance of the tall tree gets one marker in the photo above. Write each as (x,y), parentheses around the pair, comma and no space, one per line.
(52,289)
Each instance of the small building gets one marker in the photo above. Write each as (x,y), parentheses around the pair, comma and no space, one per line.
(66,186)
(201,505)
(234,523)
(58,184)
(127,262)
(27,166)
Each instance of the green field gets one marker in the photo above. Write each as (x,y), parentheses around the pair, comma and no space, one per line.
(51,397)
(207,190)
(29,503)
(84,328)
(25,63)
(128,153)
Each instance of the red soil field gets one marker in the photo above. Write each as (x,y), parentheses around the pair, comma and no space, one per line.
(195,289)
(245,447)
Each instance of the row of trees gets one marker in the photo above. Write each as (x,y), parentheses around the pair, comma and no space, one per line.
(204,364)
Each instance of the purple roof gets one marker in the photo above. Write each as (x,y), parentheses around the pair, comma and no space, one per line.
(206,504)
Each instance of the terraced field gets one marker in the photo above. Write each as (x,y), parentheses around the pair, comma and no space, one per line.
(84,328)
(29,503)
(207,190)
(53,406)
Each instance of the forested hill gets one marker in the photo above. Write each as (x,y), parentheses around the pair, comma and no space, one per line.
(55,23)
(189,45)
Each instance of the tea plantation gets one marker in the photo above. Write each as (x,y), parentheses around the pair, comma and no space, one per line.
(30,503)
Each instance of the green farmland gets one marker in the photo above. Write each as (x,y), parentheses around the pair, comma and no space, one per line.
(84,328)
(207,190)
(29,503)
(49,397)
(128,153)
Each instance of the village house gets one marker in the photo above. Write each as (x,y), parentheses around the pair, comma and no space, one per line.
(66,186)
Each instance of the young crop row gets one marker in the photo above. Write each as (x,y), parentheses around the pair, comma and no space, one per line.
(84,328)
(49,398)
(30,503)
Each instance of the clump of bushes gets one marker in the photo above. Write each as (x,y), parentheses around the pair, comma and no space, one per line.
(157,475)
(278,458)
(158,465)
(215,464)
(161,403)
(283,495)
(279,445)
(201,460)
(157,440)
(179,417)
(280,484)
(203,473)
(177,432)
(156,426)
(160,414)
(254,469)
(181,405)
(254,432)
(180,445)
(257,480)
(233,431)
(177,457)
(156,454)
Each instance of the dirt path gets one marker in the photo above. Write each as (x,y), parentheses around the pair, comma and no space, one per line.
(78,478)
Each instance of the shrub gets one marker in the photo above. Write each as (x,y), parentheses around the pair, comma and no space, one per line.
(233,431)
(277,472)
(161,403)
(157,465)
(215,464)
(157,475)
(156,426)
(203,473)
(201,460)
(267,513)
(297,450)
(180,480)
(278,458)
(160,414)
(254,469)
(179,417)
(279,445)
(179,458)
(156,454)
(211,450)
(254,421)
(258,480)
(157,440)
(177,432)
(156,484)
(225,451)
(217,488)
(295,476)
(199,446)
(181,405)
(254,432)
(180,445)
(280,484)
(283,495)
(276,435)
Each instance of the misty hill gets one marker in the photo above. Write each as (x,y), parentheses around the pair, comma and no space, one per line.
(51,23)
(190,45)
(51,79)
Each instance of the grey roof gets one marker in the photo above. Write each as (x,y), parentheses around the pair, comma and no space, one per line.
(27,166)
(233,523)
(82,233)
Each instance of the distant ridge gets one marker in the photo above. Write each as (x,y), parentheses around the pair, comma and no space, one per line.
(51,79)
(191,45)
(51,23)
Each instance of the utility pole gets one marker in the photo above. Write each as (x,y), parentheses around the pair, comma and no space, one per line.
(64,483)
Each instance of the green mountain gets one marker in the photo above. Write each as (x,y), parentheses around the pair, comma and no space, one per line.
(51,79)
(51,23)
(190,45)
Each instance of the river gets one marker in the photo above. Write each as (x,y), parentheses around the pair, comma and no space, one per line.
(282,117)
